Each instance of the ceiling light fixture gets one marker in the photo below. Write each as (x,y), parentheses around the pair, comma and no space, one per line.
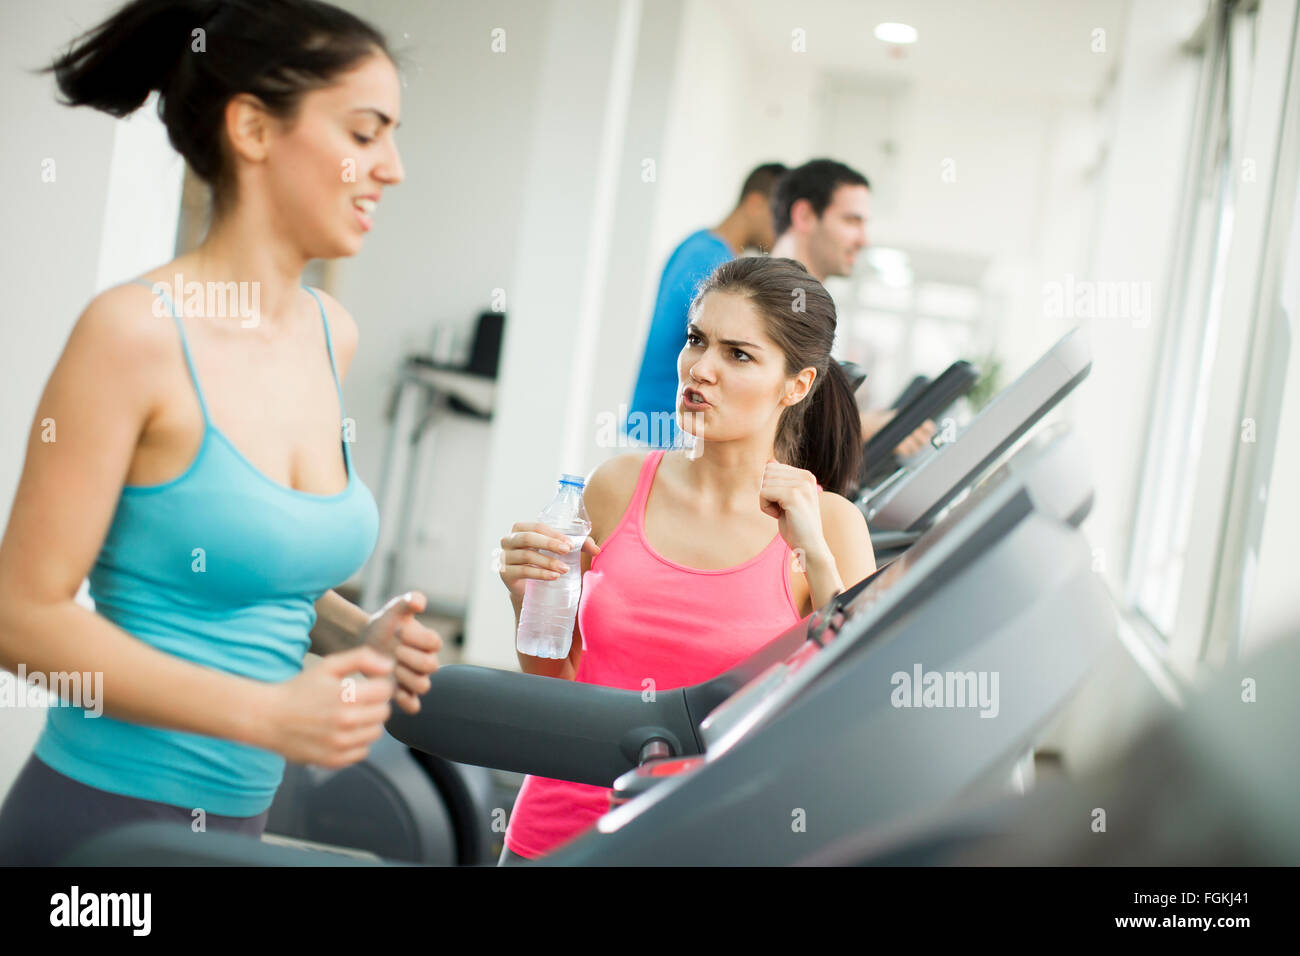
(895,33)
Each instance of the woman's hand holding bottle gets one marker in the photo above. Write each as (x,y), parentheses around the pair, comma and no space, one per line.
(522,556)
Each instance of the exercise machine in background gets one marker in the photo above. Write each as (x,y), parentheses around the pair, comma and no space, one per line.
(900,508)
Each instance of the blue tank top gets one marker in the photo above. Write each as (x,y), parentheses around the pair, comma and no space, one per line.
(221,566)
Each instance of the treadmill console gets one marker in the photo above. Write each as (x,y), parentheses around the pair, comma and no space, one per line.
(911,501)
(848,612)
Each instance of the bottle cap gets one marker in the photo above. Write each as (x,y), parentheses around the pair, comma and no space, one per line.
(576,480)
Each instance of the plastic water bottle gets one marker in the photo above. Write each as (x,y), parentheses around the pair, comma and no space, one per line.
(546,619)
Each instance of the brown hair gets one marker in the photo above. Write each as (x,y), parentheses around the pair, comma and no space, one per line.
(822,433)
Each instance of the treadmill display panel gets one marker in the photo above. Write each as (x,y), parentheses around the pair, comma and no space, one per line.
(755,701)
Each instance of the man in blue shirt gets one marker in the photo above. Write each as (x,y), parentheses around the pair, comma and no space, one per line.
(652,416)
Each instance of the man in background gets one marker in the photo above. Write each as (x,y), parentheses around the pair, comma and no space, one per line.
(652,415)
(820,212)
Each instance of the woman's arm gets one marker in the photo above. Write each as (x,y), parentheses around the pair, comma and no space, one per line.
(825,529)
(824,580)
(874,421)
(848,557)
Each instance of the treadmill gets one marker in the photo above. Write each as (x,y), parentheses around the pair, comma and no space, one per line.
(920,402)
(808,741)
(899,509)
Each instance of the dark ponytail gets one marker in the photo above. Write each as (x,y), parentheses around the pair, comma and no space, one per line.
(830,433)
(199,53)
(823,432)
(115,66)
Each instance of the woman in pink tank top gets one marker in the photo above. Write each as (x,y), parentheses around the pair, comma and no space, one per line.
(707,553)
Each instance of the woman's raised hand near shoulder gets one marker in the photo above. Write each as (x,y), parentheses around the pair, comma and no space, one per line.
(826,530)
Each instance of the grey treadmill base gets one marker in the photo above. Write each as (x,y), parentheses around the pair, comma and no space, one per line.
(1211,784)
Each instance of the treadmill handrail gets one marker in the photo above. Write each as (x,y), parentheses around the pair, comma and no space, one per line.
(545,726)
(575,731)
(914,388)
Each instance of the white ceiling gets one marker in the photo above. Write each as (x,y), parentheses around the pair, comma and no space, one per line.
(1037,49)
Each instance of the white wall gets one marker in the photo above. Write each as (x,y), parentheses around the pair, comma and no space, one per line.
(50,255)
(630,281)
(730,111)
(143,208)
(444,240)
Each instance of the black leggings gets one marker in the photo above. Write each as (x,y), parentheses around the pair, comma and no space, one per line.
(47,815)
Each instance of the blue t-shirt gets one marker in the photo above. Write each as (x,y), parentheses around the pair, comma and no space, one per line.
(652,414)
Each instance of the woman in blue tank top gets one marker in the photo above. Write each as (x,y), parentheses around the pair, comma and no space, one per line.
(189,453)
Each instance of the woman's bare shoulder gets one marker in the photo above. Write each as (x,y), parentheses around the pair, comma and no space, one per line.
(129,329)
(845,529)
(343,331)
(836,506)
(609,490)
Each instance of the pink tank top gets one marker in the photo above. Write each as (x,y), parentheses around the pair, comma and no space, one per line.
(645,618)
